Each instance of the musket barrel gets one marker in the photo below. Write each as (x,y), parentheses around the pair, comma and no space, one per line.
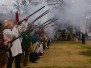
(30,15)
(49,23)
(45,22)
(28,31)
(36,11)
(40,16)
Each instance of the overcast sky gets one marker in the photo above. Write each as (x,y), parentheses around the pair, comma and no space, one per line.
(5,5)
(7,2)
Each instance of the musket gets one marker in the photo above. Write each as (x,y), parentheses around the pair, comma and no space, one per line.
(28,30)
(24,33)
(45,22)
(40,16)
(30,15)
(18,38)
(49,23)
(29,25)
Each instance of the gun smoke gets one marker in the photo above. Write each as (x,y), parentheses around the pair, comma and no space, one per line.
(71,13)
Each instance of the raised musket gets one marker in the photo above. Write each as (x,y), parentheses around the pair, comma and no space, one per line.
(28,30)
(40,16)
(24,33)
(30,15)
(45,22)
(49,23)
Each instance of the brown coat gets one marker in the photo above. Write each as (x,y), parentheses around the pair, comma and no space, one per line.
(3,53)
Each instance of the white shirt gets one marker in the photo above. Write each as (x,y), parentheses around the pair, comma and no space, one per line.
(8,35)
(16,45)
(23,26)
(16,48)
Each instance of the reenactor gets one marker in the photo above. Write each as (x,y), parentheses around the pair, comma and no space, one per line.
(15,51)
(3,53)
(83,38)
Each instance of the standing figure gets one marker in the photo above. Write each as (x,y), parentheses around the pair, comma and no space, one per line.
(10,32)
(26,42)
(83,38)
(3,53)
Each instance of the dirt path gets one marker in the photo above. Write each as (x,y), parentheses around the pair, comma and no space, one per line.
(65,55)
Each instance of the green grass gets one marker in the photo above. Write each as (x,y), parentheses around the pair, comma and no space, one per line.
(77,55)
(62,67)
(82,46)
(86,53)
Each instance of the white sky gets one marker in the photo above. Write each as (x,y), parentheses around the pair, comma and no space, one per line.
(7,2)
(7,5)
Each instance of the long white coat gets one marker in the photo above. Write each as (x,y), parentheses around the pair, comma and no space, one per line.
(16,48)
(16,45)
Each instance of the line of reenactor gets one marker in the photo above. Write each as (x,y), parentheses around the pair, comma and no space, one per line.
(22,42)
(65,35)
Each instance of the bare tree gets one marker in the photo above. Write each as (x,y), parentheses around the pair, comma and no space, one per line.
(20,5)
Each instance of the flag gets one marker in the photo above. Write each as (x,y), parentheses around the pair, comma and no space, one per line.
(16,18)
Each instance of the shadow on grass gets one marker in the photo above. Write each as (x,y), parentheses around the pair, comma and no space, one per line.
(86,53)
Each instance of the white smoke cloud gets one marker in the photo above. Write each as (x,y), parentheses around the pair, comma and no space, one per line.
(74,12)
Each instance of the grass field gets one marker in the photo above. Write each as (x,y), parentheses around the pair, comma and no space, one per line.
(65,54)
